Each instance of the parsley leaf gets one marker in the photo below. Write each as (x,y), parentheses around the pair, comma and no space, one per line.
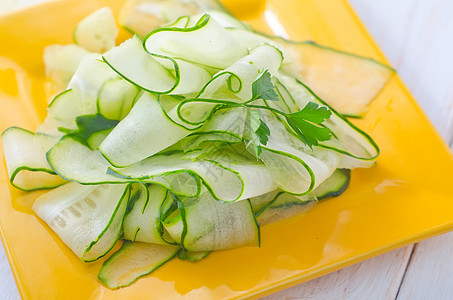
(88,127)
(307,124)
(260,132)
(262,88)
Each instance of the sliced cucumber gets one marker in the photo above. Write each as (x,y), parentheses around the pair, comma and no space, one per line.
(295,168)
(62,113)
(121,147)
(335,185)
(87,218)
(209,172)
(252,39)
(209,5)
(284,206)
(88,80)
(97,138)
(97,32)
(80,98)
(261,201)
(192,256)
(206,224)
(25,156)
(345,81)
(143,222)
(226,179)
(92,78)
(76,162)
(143,16)
(286,102)
(132,261)
(235,82)
(155,73)
(255,176)
(227,20)
(64,109)
(355,147)
(183,141)
(61,62)
(116,98)
(227,126)
(197,146)
(131,62)
(206,43)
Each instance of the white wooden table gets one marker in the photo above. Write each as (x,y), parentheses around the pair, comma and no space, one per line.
(417,37)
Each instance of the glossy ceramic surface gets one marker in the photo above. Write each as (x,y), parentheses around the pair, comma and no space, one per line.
(406,197)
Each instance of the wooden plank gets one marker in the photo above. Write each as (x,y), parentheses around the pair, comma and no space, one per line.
(429,275)
(8,288)
(374,279)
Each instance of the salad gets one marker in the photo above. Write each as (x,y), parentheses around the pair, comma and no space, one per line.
(189,136)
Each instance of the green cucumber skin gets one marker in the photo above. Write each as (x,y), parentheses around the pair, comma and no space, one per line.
(51,172)
(125,197)
(192,256)
(314,44)
(349,54)
(25,168)
(352,116)
(55,99)
(124,246)
(309,170)
(74,35)
(337,190)
(258,226)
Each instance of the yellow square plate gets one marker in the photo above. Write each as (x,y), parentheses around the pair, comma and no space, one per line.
(406,197)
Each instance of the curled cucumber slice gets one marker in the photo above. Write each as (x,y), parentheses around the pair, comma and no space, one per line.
(25,156)
(87,218)
(134,260)
(97,32)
